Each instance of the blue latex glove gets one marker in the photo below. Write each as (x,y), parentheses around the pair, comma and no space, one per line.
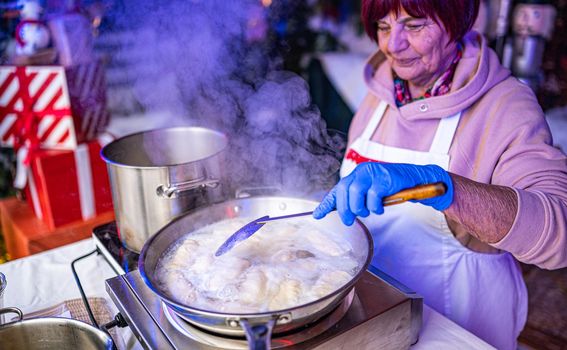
(361,192)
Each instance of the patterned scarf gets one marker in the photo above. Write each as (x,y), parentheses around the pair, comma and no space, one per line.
(440,87)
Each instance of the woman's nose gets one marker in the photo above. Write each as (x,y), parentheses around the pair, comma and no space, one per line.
(397,41)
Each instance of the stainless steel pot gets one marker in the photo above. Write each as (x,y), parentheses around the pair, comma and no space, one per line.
(50,333)
(157,175)
(256,326)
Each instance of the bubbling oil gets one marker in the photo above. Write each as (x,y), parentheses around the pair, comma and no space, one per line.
(285,264)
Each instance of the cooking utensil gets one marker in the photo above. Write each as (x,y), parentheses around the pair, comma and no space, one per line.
(414,193)
(159,174)
(50,333)
(231,323)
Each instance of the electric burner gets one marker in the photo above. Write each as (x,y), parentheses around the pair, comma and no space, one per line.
(278,341)
(379,313)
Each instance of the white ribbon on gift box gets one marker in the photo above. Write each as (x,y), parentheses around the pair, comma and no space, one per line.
(34,196)
(84,180)
(21,176)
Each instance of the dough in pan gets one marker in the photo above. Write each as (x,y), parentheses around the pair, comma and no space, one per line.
(285,265)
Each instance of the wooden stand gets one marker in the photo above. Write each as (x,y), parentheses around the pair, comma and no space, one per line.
(25,234)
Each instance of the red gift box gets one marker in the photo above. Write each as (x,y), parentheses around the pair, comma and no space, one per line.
(52,107)
(66,186)
(35,108)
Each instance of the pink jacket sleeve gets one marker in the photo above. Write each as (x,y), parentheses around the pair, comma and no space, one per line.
(538,234)
(537,172)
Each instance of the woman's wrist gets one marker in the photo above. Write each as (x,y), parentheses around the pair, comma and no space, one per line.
(486,211)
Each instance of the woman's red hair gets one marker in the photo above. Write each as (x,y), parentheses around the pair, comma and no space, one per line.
(456,16)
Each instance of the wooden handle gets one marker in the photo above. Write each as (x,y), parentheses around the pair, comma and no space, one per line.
(417,193)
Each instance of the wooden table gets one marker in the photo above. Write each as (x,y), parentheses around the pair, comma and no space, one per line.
(25,234)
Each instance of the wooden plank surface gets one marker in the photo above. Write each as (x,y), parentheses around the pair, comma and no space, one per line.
(25,234)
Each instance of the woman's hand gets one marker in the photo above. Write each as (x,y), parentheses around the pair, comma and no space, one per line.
(361,192)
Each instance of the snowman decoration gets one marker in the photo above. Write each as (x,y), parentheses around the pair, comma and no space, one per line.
(32,34)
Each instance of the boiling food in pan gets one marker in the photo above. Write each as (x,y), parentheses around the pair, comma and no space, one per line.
(291,263)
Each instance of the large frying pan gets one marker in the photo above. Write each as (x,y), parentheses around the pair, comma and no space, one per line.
(257,327)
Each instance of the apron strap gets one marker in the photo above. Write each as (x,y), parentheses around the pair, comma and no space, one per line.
(444,135)
(374,121)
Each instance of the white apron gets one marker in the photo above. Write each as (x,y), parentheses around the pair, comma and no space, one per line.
(484,293)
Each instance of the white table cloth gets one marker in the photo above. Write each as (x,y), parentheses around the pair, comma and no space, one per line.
(45,279)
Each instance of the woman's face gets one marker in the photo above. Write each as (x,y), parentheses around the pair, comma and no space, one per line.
(417,48)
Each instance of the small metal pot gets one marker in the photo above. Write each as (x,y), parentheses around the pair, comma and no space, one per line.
(257,327)
(50,333)
(157,175)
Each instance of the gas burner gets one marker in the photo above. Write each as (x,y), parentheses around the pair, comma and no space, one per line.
(380,312)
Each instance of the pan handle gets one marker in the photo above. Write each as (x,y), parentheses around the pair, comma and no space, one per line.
(259,336)
(11,310)
(176,189)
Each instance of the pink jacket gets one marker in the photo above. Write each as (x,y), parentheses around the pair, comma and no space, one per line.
(502,139)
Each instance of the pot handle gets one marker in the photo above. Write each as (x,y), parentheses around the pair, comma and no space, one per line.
(259,336)
(13,310)
(176,189)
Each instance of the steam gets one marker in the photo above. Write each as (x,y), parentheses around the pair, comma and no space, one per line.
(207,72)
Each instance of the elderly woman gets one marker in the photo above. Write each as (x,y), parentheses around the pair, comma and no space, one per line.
(442,108)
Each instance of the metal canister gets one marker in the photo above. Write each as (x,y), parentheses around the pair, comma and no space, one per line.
(159,174)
